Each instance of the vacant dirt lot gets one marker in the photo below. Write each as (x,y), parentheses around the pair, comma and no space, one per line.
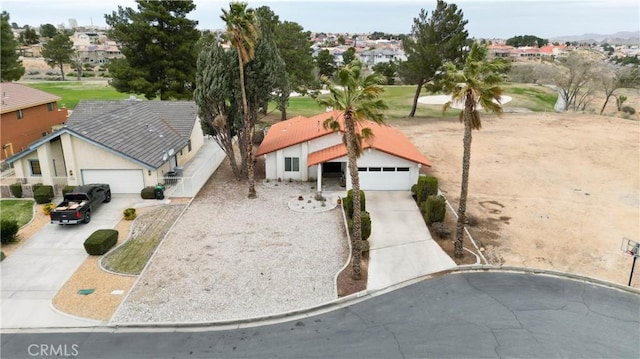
(552,191)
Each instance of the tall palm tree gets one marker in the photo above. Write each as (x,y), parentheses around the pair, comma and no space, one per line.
(357,98)
(477,84)
(242,31)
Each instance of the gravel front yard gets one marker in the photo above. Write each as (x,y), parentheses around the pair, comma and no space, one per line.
(229,257)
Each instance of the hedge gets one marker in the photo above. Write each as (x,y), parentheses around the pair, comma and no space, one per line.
(433,209)
(426,186)
(16,189)
(148,192)
(100,241)
(43,194)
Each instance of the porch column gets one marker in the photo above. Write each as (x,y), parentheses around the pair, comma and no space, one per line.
(319,177)
(44,157)
(70,160)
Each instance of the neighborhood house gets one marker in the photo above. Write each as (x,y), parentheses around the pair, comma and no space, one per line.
(127,144)
(303,149)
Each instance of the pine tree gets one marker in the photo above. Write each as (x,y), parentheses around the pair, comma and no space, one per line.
(10,66)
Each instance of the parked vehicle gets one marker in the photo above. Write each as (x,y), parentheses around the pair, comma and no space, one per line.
(79,204)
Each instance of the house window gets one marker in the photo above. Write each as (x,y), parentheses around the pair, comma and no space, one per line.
(189,145)
(44,133)
(20,114)
(35,168)
(291,164)
(402,169)
(362,169)
(375,169)
(388,169)
(50,106)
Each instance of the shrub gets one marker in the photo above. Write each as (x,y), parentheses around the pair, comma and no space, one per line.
(47,208)
(35,186)
(628,109)
(100,241)
(8,230)
(348,202)
(16,189)
(433,209)
(129,214)
(441,230)
(148,193)
(365,246)
(43,194)
(365,226)
(2,256)
(67,189)
(426,186)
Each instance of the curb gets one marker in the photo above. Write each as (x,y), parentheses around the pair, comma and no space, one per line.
(319,309)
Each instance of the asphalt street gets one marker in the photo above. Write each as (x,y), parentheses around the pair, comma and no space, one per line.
(463,315)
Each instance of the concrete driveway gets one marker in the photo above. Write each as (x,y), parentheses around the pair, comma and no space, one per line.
(35,272)
(401,247)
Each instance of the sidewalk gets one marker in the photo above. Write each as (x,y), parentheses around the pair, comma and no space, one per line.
(401,247)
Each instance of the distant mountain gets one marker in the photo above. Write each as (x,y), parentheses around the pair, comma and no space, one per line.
(619,38)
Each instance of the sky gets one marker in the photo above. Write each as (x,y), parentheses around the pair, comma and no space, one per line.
(487,18)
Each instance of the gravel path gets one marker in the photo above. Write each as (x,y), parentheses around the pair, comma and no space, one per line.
(232,258)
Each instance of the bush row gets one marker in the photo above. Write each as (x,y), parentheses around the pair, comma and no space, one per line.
(431,204)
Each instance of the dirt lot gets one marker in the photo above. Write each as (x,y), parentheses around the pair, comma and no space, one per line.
(552,191)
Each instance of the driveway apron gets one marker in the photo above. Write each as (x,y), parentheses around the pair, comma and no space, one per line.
(401,247)
(35,272)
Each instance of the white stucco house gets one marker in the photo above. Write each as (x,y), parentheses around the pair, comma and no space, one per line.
(302,149)
(127,144)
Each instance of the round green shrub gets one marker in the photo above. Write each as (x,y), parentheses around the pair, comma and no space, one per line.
(16,189)
(8,230)
(129,214)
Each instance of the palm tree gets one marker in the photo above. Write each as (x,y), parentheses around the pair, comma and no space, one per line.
(357,97)
(242,31)
(476,84)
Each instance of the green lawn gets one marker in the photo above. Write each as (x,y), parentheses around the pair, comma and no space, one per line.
(74,91)
(20,210)
(147,232)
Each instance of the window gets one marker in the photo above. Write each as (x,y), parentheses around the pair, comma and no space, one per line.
(189,145)
(388,169)
(20,114)
(35,167)
(375,169)
(45,133)
(291,164)
(362,169)
(51,106)
(402,169)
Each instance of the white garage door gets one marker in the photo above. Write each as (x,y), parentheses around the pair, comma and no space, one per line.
(120,181)
(385,178)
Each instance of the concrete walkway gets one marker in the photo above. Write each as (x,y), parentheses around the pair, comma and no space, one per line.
(401,247)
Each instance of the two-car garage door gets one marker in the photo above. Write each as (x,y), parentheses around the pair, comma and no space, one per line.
(385,178)
(120,181)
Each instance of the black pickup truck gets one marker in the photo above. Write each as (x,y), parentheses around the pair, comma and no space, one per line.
(78,204)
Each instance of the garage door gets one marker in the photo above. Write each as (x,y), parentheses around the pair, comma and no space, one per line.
(385,178)
(120,181)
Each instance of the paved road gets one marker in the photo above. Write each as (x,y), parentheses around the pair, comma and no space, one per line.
(470,315)
(35,272)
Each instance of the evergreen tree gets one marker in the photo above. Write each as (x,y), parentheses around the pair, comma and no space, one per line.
(388,70)
(436,40)
(10,66)
(159,45)
(58,51)
(29,36)
(325,63)
(48,30)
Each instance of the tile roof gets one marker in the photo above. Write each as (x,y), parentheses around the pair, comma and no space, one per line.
(18,96)
(300,129)
(142,130)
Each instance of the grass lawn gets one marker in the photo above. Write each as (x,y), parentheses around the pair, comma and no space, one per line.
(147,232)
(74,91)
(16,209)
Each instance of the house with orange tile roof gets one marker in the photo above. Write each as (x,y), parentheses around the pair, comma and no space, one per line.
(303,149)
(26,114)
